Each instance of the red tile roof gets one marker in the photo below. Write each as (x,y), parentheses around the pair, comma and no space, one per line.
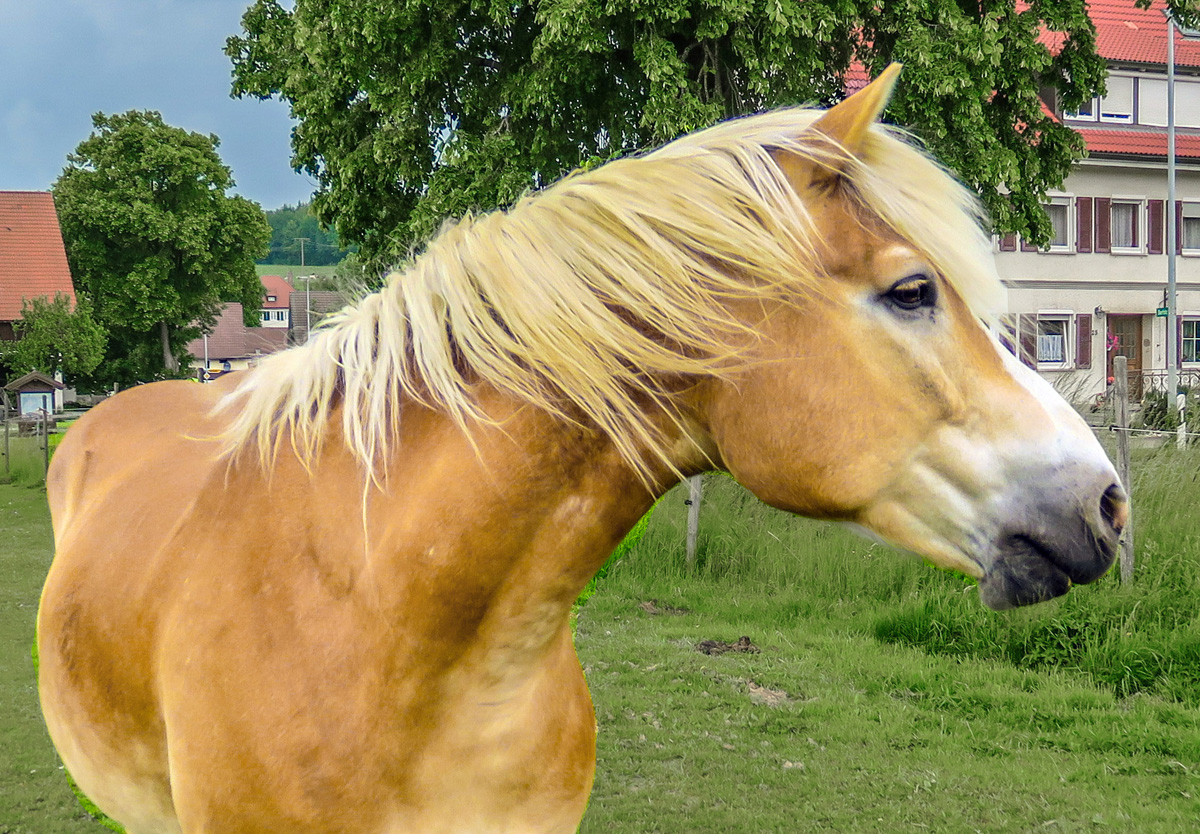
(277,286)
(33,261)
(1125,33)
(1139,142)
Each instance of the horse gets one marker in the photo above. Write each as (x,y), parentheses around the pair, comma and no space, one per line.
(332,593)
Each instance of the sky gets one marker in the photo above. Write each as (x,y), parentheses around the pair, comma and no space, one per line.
(63,60)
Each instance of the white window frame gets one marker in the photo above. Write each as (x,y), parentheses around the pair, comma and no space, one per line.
(1068,248)
(1067,318)
(1083,117)
(1195,321)
(1140,218)
(1192,252)
(266,315)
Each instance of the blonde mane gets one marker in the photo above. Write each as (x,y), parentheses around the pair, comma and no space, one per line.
(585,298)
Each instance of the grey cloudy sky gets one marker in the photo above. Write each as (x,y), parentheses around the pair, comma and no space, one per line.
(63,60)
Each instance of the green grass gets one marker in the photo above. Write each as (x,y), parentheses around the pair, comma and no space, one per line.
(900,703)
(34,795)
(27,465)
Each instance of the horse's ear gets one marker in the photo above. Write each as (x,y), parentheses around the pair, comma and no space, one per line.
(846,125)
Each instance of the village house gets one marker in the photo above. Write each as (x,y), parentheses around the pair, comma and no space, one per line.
(33,261)
(1098,290)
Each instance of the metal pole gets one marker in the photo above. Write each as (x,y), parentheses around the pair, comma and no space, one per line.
(1121,395)
(1172,321)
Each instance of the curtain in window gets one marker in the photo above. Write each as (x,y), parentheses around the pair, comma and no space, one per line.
(1124,225)
(1058,220)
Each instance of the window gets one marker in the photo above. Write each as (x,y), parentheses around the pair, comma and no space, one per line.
(266,315)
(1061,223)
(280,315)
(270,298)
(1052,340)
(1086,113)
(1126,225)
(1189,228)
(1117,105)
(1189,348)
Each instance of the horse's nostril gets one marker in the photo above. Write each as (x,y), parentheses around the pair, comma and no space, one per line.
(1114,507)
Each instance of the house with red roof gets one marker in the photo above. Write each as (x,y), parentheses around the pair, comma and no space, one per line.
(1096,290)
(33,261)
(276,306)
(231,346)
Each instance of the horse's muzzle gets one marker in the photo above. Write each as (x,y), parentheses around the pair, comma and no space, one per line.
(1056,540)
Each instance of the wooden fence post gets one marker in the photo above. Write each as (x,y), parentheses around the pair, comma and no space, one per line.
(1121,394)
(695,489)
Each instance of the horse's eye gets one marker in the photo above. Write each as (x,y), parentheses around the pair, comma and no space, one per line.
(913,293)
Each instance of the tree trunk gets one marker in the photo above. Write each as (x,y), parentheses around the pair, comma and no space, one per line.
(168,358)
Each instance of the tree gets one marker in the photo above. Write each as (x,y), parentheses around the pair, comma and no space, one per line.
(52,337)
(410,112)
(154,240)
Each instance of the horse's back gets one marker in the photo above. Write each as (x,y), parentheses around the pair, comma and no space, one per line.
(126,475)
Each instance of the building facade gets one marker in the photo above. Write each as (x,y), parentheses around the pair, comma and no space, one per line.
(1098,290)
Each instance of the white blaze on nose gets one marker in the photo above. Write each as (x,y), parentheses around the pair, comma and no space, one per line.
(1056,429)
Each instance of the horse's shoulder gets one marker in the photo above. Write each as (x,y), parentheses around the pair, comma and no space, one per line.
(164,430)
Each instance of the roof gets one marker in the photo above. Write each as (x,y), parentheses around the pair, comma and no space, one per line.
(33,261)
(320,304)
(34,377)
(277,286)
(1125,33)
(1138,142)
(231,339)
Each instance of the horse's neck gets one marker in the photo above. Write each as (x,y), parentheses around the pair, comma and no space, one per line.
(480,548)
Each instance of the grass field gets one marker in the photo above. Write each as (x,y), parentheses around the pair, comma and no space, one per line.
(883,697)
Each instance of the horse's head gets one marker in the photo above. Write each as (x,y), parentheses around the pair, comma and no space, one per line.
(901,411)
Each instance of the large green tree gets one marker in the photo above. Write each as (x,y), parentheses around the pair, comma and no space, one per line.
(154,240)
(52,337)
(409,112)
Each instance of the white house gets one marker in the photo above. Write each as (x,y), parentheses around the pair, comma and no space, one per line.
(1097,290)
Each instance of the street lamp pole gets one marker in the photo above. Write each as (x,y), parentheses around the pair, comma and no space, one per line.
(1172,232)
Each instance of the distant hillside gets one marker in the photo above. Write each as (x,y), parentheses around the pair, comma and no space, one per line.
(322,248)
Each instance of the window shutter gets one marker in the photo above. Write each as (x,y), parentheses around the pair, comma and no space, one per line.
(1026,246)
(1154,242)
(1103,224)
(1027,335)
(1083,224)
(1008,243)
(1083,340)
(1178,348)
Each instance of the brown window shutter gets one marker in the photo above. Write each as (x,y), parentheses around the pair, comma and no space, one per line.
(1103,224)
(1083,224)
(1154,242)
(1008,243)
(1027,334)
(1083,340)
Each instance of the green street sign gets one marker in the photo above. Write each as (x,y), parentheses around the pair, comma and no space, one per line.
(1161,312)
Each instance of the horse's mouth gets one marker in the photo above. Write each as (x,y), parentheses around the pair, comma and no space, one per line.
(1028,570)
